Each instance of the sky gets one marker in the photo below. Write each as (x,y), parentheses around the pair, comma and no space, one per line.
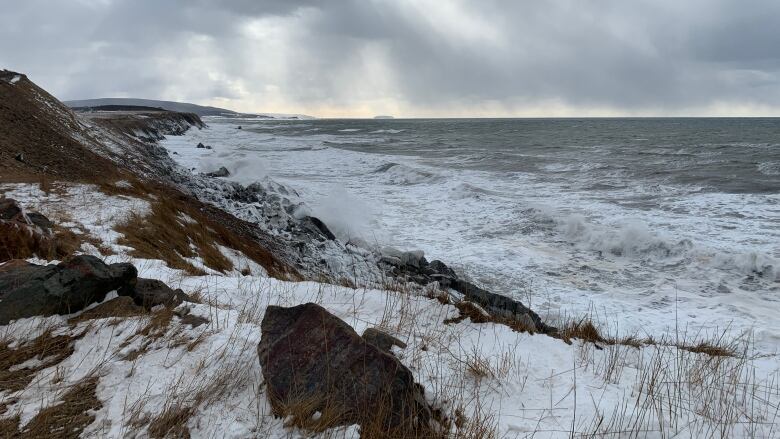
(407,58)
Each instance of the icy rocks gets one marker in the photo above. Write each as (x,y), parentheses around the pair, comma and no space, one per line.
(152,292)
(313,360)
(202,146)
(28,290)
(414,267)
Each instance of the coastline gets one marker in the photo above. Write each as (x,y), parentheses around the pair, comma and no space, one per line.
(482,361)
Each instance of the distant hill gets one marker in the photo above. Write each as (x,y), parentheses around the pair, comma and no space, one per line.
(384,117)
(182,107)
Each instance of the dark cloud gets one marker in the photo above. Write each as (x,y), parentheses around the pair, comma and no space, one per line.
(426,56)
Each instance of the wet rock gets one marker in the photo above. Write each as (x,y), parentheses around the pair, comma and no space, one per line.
(308,355)
(201,146)
(221,172)
(44,290)
(320,226)
(423,273)
(152,292)
(382,340)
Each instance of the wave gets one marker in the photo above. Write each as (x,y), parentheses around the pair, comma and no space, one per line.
(350,130)
(387,131)
(399,174)
(633,239)
(769,168)
(629,239)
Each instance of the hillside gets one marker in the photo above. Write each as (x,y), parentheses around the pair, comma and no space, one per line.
(182,107)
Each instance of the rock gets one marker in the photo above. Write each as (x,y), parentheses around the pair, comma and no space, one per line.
(41,221)
(239,127)
(320,226)
(44,290)
(310,356)
(382,340)
(152,292)
(201,146)
(415,258)
(221,172)
(19,157)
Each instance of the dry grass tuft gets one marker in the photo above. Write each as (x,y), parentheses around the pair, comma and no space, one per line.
(47,348)
(476,314)
(68,419)
(165,235)
(181,227)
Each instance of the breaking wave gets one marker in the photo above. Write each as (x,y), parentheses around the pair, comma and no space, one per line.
(399,174)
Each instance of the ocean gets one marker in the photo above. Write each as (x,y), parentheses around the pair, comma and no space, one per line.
(649,225)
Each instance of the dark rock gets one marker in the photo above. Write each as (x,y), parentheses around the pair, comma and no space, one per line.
(201,146)
(152,292)
(320,226)
(41,221)
(382,340)
(420,271)
(308,355)
(33,290)
(19,157)
(10,210)
(221,172)
(239,127)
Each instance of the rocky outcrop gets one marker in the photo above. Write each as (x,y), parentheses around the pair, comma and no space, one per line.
(24,234)
(221,172)
(152,292)
(313,361)
(414,267)
(28,290)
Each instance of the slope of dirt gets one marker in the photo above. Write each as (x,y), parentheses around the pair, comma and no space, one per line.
(38,136)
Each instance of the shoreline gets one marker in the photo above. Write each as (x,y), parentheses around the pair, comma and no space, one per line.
(235,251)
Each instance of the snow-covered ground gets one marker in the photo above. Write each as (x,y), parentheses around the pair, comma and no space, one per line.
(519,385)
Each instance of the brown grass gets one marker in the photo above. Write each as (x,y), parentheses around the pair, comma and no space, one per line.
(587,330)
(52,349)
(476,314)
(68,419)
(180,227)
(18,242)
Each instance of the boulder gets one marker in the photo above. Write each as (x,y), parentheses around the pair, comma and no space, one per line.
(221,172)
(312,359)
(382,340)
(152,292)
(201,146)
(28,290)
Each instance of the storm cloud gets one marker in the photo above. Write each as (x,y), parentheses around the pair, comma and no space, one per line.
(407,57)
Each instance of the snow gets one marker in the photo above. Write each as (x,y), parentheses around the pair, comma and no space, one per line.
(15,79)
(520,384)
